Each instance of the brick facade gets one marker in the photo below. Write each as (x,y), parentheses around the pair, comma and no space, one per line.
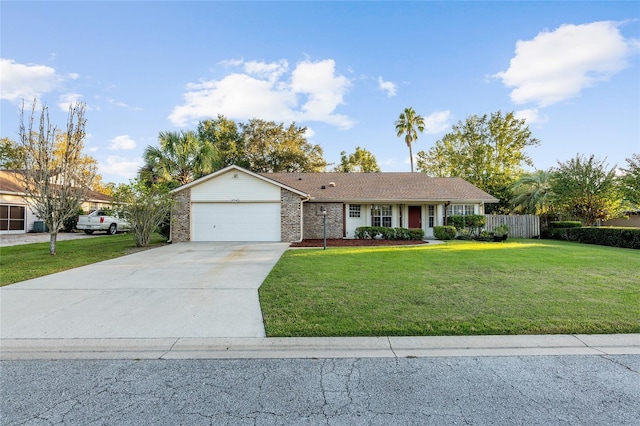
(290,216)
(181,217)
(313,227)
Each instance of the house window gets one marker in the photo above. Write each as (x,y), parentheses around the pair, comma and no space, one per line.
(12,218)
(381,215)
(432,216)
(460,209)
(354,210)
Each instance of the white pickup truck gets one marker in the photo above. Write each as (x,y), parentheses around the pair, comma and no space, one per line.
(100,220)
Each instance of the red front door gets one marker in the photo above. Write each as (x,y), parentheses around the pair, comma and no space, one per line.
(415,217)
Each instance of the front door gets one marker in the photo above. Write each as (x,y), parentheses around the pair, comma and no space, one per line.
(415,217)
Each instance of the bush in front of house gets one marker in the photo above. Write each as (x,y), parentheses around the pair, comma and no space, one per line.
(69,224)
(468,226)
(613,237)
(444,232)
(565,224)
(384,233)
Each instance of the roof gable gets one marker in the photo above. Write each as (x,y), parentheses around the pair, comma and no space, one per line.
(239,169)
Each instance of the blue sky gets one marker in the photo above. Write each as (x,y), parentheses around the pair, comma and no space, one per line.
(345,70)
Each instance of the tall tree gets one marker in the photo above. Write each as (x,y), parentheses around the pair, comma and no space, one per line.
(270,147)
(630,180)
(225,136)
(57,175)
(587,189)
(488,151)
(181,158)
(361,160)
(409,124)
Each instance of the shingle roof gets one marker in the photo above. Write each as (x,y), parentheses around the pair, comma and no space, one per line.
(379,187)
(10,184)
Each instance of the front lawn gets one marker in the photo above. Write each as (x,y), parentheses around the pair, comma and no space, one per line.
(458,288)
(23,262)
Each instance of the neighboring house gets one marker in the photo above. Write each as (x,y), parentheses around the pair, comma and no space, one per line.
(234,204)
(631,221)
(15,215)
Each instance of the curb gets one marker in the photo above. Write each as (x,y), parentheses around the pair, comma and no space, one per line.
(312,347)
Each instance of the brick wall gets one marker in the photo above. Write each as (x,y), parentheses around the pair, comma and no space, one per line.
(290,213)
(181,217)
(313,227)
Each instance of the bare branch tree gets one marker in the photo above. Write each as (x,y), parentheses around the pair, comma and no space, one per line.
(56,175)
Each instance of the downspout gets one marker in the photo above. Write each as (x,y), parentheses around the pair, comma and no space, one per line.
(302,200)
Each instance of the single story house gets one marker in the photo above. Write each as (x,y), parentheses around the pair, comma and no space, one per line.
(235,204)
(15,215)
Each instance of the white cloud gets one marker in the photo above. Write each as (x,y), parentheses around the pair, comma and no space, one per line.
(437,122)
(231,62)
(311,93)
(122,142)
(73,76)
(387,86)
(66,100)
(309,133)
(557,65)
(120,166)
(532,116)
(20,81)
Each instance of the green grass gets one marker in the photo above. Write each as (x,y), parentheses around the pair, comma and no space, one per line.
(458,288)
(23,262)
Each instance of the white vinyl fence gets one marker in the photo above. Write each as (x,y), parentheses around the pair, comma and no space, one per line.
(520,226)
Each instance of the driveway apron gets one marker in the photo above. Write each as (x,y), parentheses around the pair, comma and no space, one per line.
(181,290)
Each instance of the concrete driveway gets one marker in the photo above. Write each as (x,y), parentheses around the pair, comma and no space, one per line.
(179,290)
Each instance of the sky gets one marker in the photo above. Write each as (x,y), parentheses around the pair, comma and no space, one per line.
(344,70)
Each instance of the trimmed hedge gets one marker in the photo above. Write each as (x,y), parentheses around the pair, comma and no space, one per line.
(384,233)
(613,237)
(565,224)
(444,232)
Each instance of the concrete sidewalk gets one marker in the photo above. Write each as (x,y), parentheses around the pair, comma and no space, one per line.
(338,347)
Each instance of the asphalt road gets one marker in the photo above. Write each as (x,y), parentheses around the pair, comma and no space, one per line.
(537,390)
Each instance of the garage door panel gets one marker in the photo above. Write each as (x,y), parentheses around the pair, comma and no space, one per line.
(235,222)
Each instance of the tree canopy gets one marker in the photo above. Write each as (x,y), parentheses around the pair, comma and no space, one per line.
(361,160)
(630,180)
(587,188)
(409,124)
(180,158)
(272,147)
(487,151)
(225,136)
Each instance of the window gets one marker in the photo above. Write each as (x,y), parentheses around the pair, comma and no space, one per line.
(381,215)
(354,210)
(12,218)
(432,216)
(460,209)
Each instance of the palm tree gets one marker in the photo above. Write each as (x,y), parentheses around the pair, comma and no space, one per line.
(533,194)
(181,158)
(408,124)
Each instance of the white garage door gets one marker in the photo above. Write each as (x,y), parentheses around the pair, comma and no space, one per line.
(236,222)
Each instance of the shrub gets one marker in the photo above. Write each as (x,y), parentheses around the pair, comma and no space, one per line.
(613,237)
(371,232)
(472,222)
(444,232)
(69,225)
(416,234)
(501,230)
(565,224)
